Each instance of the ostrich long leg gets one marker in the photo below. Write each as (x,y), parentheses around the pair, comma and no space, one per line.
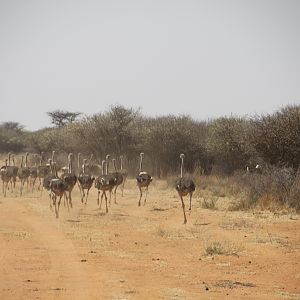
(70,199)
(98,197)
(51,200)
(22,186)
(106,202)
(115,194)
(87,194)
(191,194)
(33,184)
(141,194)
(101,199)
(58,205)
(146,193)
(55,205)
(109,196)
(123,185)
(81,191)
(183,208)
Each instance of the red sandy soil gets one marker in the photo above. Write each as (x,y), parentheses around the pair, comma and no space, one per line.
(144,252)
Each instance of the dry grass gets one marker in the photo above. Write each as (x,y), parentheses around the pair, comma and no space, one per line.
(223,248)
(238,223)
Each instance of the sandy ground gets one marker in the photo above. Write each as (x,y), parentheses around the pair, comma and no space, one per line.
(145,252)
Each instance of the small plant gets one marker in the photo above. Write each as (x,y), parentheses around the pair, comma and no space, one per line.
(162,232)
(209,203)
(222,248)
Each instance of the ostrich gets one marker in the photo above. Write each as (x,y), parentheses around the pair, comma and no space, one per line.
(6,177)
(93,169)
(13,169)
(85,182)
(104,182)
(70,178)
(124,172)
(23,172)
(47,179)
(33,173)
(119,179)
(43,170)
(58,188)
(143,179)
(184,186)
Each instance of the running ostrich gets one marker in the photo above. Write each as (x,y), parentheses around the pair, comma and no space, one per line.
(33,172)
(124,172)
(93,169)
(47,179)
(58,188)
(184,186)
(104,182)
(107,157)
(70,178)
(6,177)
(43,170)
(143,180)
(23,172)
(119,179)
(12,168)
(85,182)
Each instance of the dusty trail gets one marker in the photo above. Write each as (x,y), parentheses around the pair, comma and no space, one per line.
(42,260)
(144,252)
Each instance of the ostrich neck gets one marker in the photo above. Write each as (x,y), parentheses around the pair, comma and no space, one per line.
(103,166)
(181,168)
(141,164)
(78,162)
(115,166)
(26,161)
(121,162)
(107,162)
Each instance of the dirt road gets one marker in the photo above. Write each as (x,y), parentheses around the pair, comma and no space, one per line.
(145,252)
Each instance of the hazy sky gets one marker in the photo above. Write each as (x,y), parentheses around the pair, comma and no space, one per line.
(204,58)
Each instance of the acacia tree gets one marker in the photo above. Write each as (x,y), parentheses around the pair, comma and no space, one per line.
(60,118)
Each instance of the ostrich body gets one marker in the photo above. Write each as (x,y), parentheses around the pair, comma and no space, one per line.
(143,180)
(105,182)
(6,177)
(119,179)
(23,173)
(184,186)
(93,169)
(85,182)
(70,178)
